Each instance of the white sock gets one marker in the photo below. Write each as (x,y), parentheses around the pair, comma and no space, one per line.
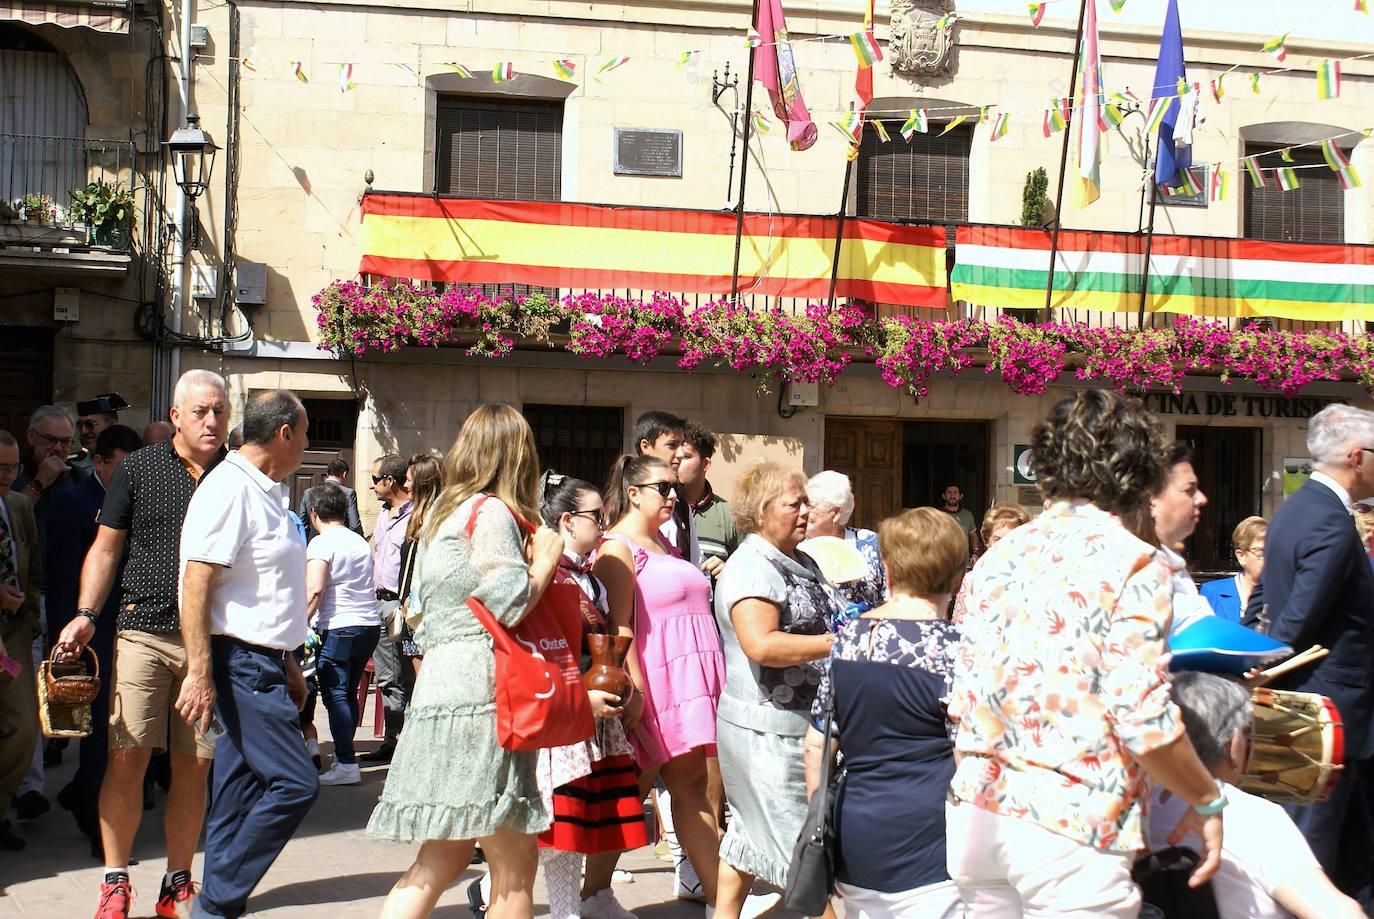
(563,880)
(115,873)
(665,819)
(485,887)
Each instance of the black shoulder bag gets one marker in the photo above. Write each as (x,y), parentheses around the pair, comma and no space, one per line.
(811,873)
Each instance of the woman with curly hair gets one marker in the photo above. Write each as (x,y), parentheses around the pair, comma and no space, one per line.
(1061,690)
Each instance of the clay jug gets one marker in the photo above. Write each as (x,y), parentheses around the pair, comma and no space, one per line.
(607,672)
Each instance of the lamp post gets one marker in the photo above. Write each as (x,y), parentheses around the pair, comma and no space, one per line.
(193,160)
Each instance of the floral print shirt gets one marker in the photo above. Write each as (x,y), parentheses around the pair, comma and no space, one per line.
(1060,679)
(870,591)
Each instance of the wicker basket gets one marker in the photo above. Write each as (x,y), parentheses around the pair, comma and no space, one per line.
(73,689)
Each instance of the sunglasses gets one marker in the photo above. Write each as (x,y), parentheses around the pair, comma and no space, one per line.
(379,479)
(663,488)
(594,516)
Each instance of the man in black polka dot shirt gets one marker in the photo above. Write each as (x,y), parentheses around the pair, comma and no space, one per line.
(142,515)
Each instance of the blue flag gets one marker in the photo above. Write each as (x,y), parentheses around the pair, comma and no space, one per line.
(1168,72)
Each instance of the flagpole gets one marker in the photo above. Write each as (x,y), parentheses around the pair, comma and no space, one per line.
(1153,192)
(839,229)
(744,164)
(1064,152)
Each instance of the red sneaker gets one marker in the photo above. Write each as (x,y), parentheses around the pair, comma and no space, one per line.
(115,900)
(175,900)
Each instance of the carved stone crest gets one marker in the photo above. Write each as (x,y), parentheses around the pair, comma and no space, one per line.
(922,36)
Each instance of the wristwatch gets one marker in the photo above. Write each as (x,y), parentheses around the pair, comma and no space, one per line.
(1214,806)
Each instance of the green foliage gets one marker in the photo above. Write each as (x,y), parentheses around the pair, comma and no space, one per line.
(1035,202)
(37,207)
(102,203)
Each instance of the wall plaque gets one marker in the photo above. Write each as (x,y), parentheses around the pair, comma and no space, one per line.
(644,152)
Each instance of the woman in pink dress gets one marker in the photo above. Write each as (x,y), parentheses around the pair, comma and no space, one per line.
(677,665)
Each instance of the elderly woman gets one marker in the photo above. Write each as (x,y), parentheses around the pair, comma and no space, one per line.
(1267,869)
(887,682)
(1060,685)
(832,503)
(1228,596)
(773,607)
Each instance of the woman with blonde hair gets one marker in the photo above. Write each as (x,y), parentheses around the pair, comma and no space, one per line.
(774,608)
(1228,596)
(494,798)
(424,481)
(663,602)
(998,523)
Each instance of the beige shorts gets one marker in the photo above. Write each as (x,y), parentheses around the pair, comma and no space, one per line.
(148,670)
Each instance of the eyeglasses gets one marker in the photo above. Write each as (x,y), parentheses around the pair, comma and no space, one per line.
(51,441)
(1257,553)
(86,424)
(664,488)
(9,468)
(594,516)
(379,479)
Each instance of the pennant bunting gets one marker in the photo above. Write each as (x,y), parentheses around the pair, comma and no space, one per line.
(1117,5)
(1217,89)
(1220,184)
(917,123)
(1328,79)
(503,72)
(1188,183)
(1286,154)
(1288,178)
(1054,117)
(1252,169)
(1255,82)
(1037,13)
(1362,6)
(564,68)
(761,123)
(1158,108)
(851,125)
(346,78)
(460,70)
(685,58)
(953,123)
(1276,47)
(752,38)
(1181,88)
(247,64)
(999,127)
(611,63)
(1113,115)
(865,48)
(1340,165)
(984,112)
(880,130)
(863,77)
(944,22)
(1126,99)
(299,70)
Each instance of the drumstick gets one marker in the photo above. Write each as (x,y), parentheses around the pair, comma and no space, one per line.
(1311,655)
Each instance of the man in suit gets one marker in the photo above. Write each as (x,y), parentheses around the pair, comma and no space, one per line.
(21,580)
(336,472)
(1317,588)
(71,531)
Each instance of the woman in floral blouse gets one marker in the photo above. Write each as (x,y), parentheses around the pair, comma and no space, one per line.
(1060,685)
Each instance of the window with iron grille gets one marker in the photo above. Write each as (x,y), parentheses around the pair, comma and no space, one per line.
(577,440)
(926,179)
(1312,212)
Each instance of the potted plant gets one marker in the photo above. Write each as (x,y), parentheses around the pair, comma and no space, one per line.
(108,209)
(8,212)
(37,208)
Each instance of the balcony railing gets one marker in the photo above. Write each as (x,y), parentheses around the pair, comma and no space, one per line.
(38,175)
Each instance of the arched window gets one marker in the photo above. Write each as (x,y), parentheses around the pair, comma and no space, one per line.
(42,120)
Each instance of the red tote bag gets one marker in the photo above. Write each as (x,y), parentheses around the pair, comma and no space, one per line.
(540,700)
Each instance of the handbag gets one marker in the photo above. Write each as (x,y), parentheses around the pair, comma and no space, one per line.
(411,618)
(540,701)
(1163,880)
(811,873)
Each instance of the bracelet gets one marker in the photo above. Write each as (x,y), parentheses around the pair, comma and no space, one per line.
(89,614)
(1214,806)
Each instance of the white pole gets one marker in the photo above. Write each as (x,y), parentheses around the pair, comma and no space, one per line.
(179,262)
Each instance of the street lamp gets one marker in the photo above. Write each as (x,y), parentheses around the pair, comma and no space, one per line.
(193,157)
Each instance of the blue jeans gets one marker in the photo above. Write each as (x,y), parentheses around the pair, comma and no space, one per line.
(342,659)
(262,782)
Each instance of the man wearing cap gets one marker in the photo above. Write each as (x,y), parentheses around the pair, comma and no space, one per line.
(92,417)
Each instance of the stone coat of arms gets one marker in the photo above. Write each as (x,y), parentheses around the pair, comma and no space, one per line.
(922,36)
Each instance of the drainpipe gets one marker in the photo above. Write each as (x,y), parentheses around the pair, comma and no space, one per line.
(182,237)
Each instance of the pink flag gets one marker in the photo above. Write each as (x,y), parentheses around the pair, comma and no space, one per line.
(775,68)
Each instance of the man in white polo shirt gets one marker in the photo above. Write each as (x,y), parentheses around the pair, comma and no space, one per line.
(243,608)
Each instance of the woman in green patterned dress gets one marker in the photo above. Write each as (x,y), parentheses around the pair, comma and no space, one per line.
(451,784)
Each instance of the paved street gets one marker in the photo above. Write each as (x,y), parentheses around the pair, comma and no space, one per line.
(330,869)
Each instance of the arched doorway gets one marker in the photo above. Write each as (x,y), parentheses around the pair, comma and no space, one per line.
(43,120)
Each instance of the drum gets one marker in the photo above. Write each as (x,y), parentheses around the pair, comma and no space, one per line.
(1298,746)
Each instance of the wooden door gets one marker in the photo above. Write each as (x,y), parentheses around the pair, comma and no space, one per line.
(869,452)
(25,377)
(310,474)
(1227,465)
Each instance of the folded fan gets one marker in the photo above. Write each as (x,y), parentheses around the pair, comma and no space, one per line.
(839,560)
(1217,645)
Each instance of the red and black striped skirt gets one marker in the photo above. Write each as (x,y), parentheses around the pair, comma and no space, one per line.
(600,812)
